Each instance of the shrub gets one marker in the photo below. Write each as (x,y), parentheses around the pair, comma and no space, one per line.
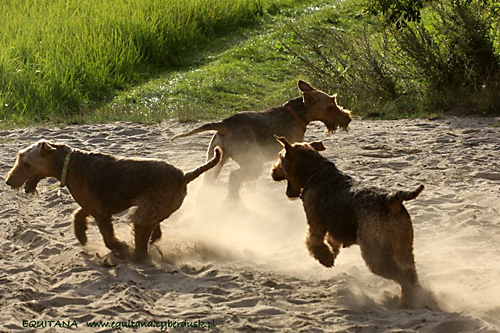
(447,62)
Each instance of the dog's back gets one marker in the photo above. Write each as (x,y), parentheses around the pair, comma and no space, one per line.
(340,202)
(258,128)
(120,182)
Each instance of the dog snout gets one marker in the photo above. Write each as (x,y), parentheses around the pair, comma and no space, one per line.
(8,182)
(347,121)
(11,182)
(344,120)
(14,178)
(277,173)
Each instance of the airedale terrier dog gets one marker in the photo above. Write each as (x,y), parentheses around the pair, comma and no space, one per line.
(248,137)
(343,212)
(104,185)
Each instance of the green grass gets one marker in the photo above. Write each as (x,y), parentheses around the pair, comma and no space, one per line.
(248,70)
(59,59)
(145,60)
(251,75)
(148,60)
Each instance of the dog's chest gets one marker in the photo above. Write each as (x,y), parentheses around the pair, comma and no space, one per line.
(334,212)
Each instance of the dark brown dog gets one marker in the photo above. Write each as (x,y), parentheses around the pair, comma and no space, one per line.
(247,137)
(104,185)
(343,212)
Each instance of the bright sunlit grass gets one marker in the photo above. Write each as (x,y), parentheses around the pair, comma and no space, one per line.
(59,57)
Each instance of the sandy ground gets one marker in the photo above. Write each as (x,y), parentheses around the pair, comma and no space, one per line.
(245,267)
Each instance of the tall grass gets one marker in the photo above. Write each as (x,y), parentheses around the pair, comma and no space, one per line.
(59,57)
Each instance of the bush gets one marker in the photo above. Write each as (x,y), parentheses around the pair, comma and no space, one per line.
(447,62)
(456,57)
(397,12)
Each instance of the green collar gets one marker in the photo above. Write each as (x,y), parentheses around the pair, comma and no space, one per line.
(65,169)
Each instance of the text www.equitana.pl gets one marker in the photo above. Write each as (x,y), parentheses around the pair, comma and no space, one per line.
(163,325)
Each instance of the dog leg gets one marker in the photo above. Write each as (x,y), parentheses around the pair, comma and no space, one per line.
(146,221)
(250,172)
(235,180)
(315,241)
(156,234)
(80,225)
(105,225)
(211,175)
(253,174)
(142,233)
(382,262)
(409,284)
(385,264)
(334,245)
(407,263)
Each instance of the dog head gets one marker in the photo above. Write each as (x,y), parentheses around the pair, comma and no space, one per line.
(324,107)
(290,165)
(32,165)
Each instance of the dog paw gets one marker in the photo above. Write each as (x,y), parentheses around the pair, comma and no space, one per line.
(323,254)
(143,260)
(327,262)
(82,238)
(110,260)
(122,251)
(326,259)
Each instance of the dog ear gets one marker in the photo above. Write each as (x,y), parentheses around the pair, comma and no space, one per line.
(47,146)
(283,142)
(317,145)
(309,99)
(305,86)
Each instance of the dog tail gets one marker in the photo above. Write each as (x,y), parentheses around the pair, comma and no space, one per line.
(192,175)
(219,127)
(396,199)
